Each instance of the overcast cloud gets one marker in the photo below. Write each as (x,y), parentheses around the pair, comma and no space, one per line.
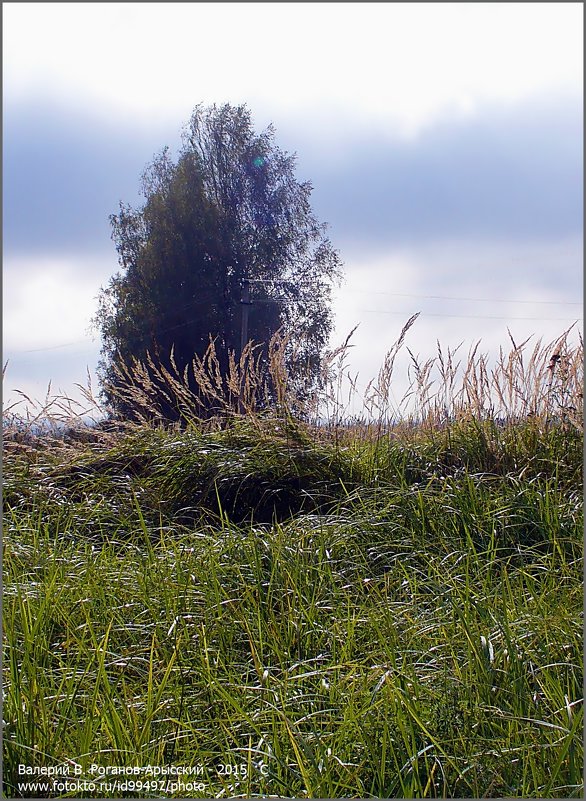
(508,173)
(447,160)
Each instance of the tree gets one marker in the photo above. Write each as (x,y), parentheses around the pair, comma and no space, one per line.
(229,210)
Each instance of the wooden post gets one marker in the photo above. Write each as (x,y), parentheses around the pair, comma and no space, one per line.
(245,303)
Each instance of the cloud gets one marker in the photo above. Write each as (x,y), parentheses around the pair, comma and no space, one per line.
(48,305)
(510,172)
(49,301)
(372,63)
(484,206)
(65,173)
(465,293)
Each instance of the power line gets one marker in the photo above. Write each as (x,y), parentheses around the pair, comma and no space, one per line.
(53,347)
(480,300)
(200,301)
(204,300)
(471,316)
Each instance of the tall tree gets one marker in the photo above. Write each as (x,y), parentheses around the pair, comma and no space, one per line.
(229,210)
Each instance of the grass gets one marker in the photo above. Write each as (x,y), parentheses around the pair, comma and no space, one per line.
(279,610)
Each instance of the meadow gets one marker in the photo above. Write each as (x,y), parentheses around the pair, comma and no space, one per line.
(269,603)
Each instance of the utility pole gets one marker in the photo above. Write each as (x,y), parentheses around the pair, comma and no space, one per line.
(246,304)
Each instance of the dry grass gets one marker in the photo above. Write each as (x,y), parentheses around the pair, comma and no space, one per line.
(385,607)
(543,381)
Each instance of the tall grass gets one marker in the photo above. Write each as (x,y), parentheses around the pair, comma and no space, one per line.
(295,606)
(542,381)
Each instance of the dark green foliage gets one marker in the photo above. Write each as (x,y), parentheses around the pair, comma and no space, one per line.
(228,210)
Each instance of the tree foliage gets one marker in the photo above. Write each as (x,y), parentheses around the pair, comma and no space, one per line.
(229,209)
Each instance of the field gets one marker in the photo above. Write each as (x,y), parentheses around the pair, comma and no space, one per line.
(259,605)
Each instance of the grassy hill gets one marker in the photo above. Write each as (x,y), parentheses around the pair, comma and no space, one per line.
(261,606)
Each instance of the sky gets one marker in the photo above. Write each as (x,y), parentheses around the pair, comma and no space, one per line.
(444,143)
